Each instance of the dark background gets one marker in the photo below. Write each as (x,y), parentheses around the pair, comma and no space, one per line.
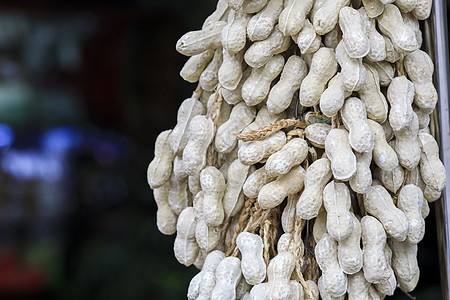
(85,87)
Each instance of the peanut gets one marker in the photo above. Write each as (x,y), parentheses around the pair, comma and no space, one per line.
(350,255)
(288,215)
(354,35)
(255,182)
(320,225)
(210,76)
(407,144)
(179,168)
(241,115)
(185,246)
(378,202)
(362,180)
(196,42)
(377,50)
(166,220)
(218,14)
(404,259)
(408,286)
(410,201)
(255,151)
(331,39)
(281,94)
(261,25)
(316,134)
(370,94)
(336,200)
(307,39)
(189,108)
(385,72)
(195,65)
(420,69)
(234,96)
(256,88)
(260,52)
(413,23)
(316,177)
(326,17)
(423,9)
(353,72)
(406,5)
(198,288)
(333,97)
(279,274)
(160,168)
(228,273)
(292,18)
(273,193)
(334,279)
(358,287)
(387,287)
(233,200)
(431,168)
(291,155)
(392,180)
(383,154)
(392,55)
(324,294)
(201,134)
(400,95)
(375,265)
(323,68)
(230,71)
(338,150)
(286,243)
(361,136)
(213,186)
(234,34)
(391,24)
(253,6)
(253,266)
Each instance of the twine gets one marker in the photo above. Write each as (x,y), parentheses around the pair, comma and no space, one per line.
(268,130)
(214,113)
(243,217)
(297,132)
(197,92)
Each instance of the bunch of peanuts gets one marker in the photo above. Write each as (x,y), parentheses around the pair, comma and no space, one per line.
(331,202)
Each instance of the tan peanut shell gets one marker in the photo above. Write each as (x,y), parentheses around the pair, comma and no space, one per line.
(228,273)
(432,170)
(316,177)
(196,42)
(230,71)
(392,180)
(260,52)
(354,117)
(370,94)
(261,25)
(307,39)
(185,246)
(234,96)
(281,94)
(342,158)
(288,215)
(253,266)
(233,199)
(234,34)
(407,144)
(350,255)
(358,287)
(316,134)
(375,265)
(189,108)
(423,9)
(410,201)
(334,279)
(400,95)
(377,43)
(291,155)
(279,274)
(178,196)
(362,180)
(404,259)
(197,287)
(255,151)
(392,54)
(336,200)
(374,8)
(326,17)
(323,67)
(219,13)
(391,24)
(160,168)
(273,193)
(324,294)
(385,72)
(201,133)
(353,72)
(210,76)
(383,154)
(255,182)
(354,34)
(195,65)
(166,220)
(293,17)
(378,202)
(179,168)
(241,115)
(256,88)
(253,6)
(333,97)
(213,187)
(320,225)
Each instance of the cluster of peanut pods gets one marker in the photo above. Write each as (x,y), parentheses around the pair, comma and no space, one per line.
(362,169)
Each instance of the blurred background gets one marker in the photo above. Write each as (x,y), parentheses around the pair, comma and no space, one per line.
(85,87)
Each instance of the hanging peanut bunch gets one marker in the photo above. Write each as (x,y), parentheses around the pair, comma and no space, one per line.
(303,163)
